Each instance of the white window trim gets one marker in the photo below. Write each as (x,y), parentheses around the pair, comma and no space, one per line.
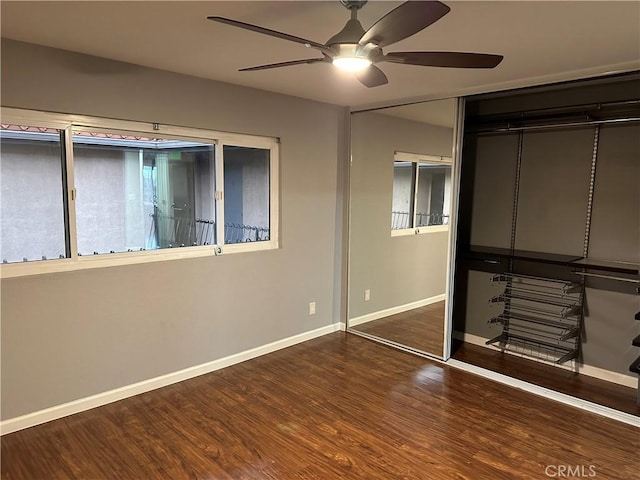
(401,232)
(420,158)
(274,219)
(70,192)
(218,139)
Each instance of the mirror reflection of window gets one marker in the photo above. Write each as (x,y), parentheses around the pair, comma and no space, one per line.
(404,178)
(433,194)
(421,194)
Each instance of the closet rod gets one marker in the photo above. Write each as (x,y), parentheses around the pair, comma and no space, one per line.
(584,108)
(558,125)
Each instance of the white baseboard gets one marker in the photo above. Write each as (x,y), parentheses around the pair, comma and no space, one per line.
(369,317)
(611,413)
(76,406)
(588,370)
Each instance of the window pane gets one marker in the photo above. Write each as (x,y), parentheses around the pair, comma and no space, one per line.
(138,193)
(434,194)
(246,194)
(403,187)
(32,206)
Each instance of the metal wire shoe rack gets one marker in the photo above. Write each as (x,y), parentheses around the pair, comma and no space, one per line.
(541,317)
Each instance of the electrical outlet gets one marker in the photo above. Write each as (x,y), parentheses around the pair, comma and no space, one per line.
(367,295)
(312,308)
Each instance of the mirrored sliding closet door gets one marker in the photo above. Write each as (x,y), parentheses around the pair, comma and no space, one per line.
(402,184)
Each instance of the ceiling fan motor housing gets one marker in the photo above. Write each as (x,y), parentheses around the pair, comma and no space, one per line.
(345,43)
(351,33)
(351,4)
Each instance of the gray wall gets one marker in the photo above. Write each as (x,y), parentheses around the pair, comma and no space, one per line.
(554,188)
(492,207)
(397,270)
(615,221)
(69,335)
(552,211)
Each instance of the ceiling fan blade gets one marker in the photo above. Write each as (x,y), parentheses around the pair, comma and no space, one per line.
(444,59)
(273,33)
(372,76)
(404,21)
(283,64)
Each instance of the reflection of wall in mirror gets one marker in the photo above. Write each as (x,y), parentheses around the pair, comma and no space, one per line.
(398,270)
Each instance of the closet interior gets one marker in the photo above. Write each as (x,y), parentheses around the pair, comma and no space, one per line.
(548,249)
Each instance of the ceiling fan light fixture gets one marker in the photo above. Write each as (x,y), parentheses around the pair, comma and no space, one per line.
(351,64)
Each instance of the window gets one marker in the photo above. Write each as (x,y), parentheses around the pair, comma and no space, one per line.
(421,191)
(32,195)
(137,193)
(246,192)
(107,192)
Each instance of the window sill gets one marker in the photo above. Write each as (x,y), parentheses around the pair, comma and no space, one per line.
(419,230)
(42,267)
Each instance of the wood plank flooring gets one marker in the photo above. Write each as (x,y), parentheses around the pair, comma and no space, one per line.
(581,386)
(421,328)
(337,407)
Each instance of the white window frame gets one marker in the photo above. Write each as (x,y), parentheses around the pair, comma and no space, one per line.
(273,147)
(218,139)
(419,158)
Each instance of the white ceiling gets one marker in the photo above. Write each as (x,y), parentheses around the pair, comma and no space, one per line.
(541,42)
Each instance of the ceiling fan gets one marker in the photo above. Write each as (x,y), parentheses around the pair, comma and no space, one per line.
(358,50)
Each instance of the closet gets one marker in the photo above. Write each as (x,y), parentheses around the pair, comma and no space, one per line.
(548,246)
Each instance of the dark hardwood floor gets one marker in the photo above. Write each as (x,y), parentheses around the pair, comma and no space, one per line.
(581,386)
(421,328)
(339,406)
